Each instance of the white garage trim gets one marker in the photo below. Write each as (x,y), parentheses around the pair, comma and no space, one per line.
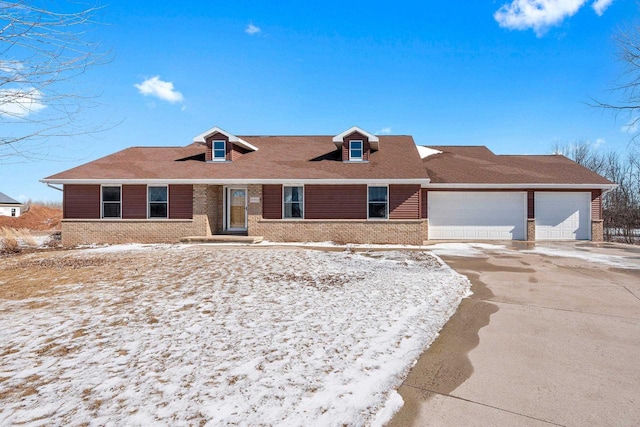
(563,215)
(477,215)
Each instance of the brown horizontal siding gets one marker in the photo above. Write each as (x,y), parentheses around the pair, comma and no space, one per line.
(272,201)
(181,201)
(424,204)
(596,205)
(81,201)
(134,201)
(531,204)
(404,202)
(335,201)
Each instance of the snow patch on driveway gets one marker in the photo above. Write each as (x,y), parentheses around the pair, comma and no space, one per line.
(588,255)
(467,250)
(196,335)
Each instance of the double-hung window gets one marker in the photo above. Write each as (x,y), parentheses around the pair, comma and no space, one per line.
(293,202)
(378,202)
(355,151)
(111,202)
(158,202)
(13,212)
(219,151)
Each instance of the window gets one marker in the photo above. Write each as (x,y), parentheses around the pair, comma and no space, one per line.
(13,212)
(111,202)
(158,202)
(378,197)
(219,150)
(355,150)
(293,202)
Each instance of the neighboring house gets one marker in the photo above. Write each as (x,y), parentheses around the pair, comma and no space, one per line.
(9,206)
(352,187)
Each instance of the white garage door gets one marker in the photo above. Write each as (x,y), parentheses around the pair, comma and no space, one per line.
(477,215)
(563,215)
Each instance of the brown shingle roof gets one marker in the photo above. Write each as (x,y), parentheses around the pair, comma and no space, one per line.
(478,165)
(278,157)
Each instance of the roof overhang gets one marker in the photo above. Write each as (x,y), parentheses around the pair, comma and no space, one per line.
(521,186)
(222,181)
(373,140)
(201,139)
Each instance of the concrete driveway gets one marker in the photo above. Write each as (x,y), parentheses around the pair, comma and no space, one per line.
(551,336)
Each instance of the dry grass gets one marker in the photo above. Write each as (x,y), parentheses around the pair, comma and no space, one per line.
(17,240)
(47,273)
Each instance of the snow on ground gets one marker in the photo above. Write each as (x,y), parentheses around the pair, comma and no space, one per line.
(469,250)
(584,253)
(176,335)
(552,249)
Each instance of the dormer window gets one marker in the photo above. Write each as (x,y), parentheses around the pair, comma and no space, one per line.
(356,145)
(223,146)
(219,151)
(355,151)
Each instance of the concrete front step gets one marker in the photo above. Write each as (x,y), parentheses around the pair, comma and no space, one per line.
(222,238)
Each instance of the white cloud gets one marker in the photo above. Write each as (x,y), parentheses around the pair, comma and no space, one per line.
(539,15)
(160,89)
(20,102)
(631,126)
(601,5)
(384,131)
(11,67)
(598,143)
(252,29)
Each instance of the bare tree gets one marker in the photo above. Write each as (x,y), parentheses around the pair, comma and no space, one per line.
(621,206)
(583,153)
(628,52)
(42,52)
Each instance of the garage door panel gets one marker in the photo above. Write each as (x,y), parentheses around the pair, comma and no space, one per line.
(563,215)
(477,215)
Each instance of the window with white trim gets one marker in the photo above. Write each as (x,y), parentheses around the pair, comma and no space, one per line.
(219,151)
(293,202)
(378,202)
(13,212)
(355,150)
(111,202)
(158,202)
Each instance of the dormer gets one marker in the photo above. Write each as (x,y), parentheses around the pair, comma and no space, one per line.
(356,144)
(223,146)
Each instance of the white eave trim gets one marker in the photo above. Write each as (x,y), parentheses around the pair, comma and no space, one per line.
(417,181)
(531,185)
(373,140)
(201,139)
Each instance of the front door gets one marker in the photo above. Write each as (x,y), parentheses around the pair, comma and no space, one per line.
(236,209)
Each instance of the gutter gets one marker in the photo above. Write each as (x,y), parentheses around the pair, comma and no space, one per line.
(416,181)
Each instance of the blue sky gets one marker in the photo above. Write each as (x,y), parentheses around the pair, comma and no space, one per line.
(504,74)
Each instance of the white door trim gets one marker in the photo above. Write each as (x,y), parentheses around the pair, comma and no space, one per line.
(227,208)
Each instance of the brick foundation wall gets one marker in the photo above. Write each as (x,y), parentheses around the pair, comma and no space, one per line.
(75,231)
(597,230)
(531,230)
(87,231)
(407,232)
(424,227)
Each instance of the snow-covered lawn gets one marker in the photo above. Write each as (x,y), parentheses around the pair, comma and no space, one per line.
(188,335)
